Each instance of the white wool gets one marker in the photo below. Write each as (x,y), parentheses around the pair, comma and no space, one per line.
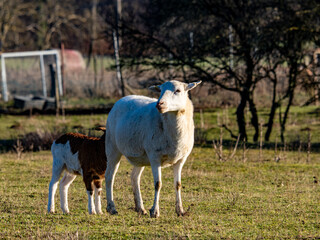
(152,132)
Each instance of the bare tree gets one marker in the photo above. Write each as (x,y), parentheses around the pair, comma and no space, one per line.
(290,35)
(161,39)
(57,21)
(12,15)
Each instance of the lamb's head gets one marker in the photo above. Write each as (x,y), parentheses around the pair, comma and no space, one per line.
(173,95)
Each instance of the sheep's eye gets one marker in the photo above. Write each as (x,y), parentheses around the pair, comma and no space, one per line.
(177,91)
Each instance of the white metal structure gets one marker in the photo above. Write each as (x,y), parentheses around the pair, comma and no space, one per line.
(31,54)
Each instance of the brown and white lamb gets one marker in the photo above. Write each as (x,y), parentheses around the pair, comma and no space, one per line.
(77,154)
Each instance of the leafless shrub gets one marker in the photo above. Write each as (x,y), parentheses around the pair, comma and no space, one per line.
(39,140)
(244,151)
(18,148)
(219,148)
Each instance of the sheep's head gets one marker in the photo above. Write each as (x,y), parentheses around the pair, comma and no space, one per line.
(173,95)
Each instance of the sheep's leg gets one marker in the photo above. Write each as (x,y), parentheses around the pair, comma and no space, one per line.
(64,186)
(97,193)
(135,181)
(113,163)
(156,171)
(56,173)
(177,183)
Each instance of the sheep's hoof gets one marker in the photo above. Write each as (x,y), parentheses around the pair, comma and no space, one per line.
(154,213)
(141,211)
(65,211)
(182,213)
(112,210)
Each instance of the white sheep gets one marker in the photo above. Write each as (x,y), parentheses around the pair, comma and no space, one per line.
(150,132)
(78,154)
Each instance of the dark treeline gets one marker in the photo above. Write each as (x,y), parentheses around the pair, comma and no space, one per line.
(230,44)
(233,45)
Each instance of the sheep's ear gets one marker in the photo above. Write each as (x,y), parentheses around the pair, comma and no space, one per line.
(192,85)
(103,129)
(155,88)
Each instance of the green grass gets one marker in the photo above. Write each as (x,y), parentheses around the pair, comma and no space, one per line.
(46,123)
(233,200)
(299,119)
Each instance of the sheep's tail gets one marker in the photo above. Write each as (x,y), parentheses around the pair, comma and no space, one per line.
(103,129)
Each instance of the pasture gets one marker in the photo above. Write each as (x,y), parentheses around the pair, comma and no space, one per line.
(235,199)
(232,200)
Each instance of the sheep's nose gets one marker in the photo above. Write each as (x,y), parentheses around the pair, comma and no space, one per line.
(160,105)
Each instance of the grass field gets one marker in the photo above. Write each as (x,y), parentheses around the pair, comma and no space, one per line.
(208,123)
(248,197)
(231,200)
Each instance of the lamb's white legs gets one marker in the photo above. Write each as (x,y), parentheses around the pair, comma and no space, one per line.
(156,171)
(56,173)
(97,193)
(177,184)
(135,181)
(52,190)
(64,186)
(94,198)
(91,207)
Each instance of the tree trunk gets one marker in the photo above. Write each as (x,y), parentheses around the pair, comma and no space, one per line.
(254,117)
(240,115)
(292,85)
(273,110)
(286,114)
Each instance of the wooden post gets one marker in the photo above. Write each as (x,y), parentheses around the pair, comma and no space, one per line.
(54,88)
(62,68)
(93,39)
(260,145)
(299,148)
(117,44)
(221,141)
(43,76)
(201,119)
(309,146)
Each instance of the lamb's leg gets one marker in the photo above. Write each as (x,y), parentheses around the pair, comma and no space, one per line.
(89,186)
(56,173)
(97,193)
(64,186)
(113,162)
(135,181)
(177,183)
(156,171)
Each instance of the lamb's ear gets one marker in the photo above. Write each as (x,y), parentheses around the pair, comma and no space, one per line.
(192,85)
(155,88)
